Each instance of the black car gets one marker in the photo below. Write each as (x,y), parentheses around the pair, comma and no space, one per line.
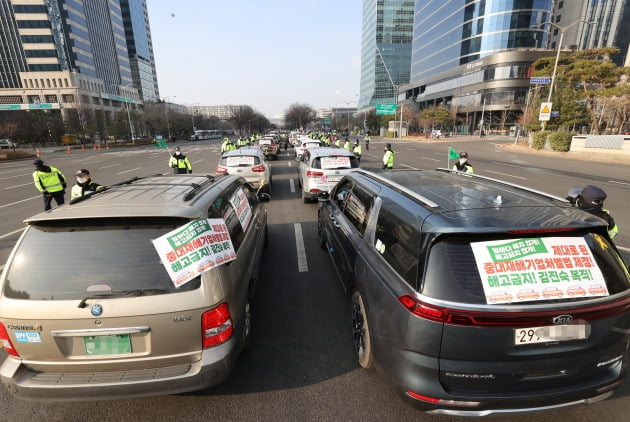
(475,296)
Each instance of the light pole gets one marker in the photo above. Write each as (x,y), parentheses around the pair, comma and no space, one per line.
(121,89)
(347,103)
(562,29)
(192,116)
(168,125)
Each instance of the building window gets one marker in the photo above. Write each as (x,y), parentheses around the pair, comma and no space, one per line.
(560,5)
(555,31)
(558,18)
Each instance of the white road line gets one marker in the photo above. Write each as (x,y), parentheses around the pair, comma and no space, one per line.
(106,167)
(292,184)
(505,174)
(12,233)
(198,161)
(405,165)
(17,186)
(507,165)
(371,155)
(18,202)
(299,247)
(130,170)
(619,183)
(288,163)
(432,159)
(19,175)
(618,247)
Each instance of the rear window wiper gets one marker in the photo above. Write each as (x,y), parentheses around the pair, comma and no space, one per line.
(122,293)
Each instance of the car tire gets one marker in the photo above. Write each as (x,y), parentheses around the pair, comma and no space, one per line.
(361,331)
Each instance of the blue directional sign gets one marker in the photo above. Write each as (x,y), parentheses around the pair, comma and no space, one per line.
(555,113)
(540,80)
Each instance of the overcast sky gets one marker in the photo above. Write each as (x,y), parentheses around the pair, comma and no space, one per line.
(264,53)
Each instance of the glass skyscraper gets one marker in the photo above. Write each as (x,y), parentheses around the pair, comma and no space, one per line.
(385,47)
(475,55)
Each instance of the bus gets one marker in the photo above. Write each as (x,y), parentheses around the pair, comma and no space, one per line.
(202,135)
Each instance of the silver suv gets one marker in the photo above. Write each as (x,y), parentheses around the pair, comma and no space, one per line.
(90,308)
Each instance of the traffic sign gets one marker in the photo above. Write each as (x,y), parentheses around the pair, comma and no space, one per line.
(385,108)
(545,112)
(555,113)
(540,80)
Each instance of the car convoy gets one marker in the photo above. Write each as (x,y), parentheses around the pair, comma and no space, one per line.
(430,260)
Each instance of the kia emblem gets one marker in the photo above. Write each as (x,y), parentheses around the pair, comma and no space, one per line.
(562,319)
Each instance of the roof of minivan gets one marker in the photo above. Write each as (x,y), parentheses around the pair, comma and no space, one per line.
(154,196)
(329,151)
(459,201)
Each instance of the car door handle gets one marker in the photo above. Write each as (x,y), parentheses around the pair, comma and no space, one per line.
(334,221)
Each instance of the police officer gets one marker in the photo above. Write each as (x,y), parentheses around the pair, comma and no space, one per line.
(357,150)
(224,145)
(591,199)
(179,163)
(463,164)
(347,146)
(388,157)
(51,182)
(367,141)
(84,185)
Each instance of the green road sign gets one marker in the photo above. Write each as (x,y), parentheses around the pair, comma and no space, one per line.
(10,106)
(385,108)
(327,122)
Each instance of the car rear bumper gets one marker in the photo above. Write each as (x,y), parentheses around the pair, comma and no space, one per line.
(214,366)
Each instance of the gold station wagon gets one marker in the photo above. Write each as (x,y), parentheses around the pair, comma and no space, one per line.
(142,289)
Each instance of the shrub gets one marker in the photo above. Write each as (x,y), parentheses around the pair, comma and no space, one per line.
(539,139)
(560,141)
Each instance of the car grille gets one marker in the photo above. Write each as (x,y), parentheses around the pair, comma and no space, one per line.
(110,377)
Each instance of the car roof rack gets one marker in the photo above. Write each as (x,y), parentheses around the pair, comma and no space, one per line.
(106,188)
(196,187)
(503,182)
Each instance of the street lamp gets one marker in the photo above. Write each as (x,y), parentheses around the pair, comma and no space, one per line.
(168,124)
(562,29)
(121,89)
(192,116)
(347,103)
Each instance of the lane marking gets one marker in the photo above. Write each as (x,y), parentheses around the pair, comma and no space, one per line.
(505,174)
(292,184)
(289,163)
(619,183)
(106,167)
(507,165)
(413,168)
(18,202)
(301,250)
(17,186)
(432,159)
(130,170)
(19,175)
(198,161)
(12,233)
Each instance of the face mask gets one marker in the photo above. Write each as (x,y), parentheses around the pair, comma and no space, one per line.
(82,179)
(462,160)
(178,153)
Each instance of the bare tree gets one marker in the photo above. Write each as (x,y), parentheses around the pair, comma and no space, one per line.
(299,115)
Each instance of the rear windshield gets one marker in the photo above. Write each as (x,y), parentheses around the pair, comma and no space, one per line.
(452,271)
(239,161)
(72,260)
(335,162)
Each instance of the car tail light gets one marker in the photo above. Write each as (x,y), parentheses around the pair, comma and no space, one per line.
(311,173)
(216,326)
(442,402)
(509,319)
(315,190)
(221,170)
(258,169)
(6,342)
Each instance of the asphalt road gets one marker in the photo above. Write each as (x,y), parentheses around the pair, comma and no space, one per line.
(301,365)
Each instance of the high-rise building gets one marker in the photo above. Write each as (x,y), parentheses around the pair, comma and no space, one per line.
(609,28)
(140,47)
(474,56)
(73,54)
(385,50)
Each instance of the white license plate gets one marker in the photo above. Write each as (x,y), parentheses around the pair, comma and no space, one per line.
(333,178)
(553,333)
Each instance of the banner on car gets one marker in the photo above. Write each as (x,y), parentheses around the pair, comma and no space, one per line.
(195,248)
(520,270)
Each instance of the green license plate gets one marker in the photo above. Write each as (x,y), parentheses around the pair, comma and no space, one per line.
(107,345)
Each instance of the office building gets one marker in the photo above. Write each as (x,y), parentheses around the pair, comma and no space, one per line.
(474,57)
(385,50)
(140,48)
(66,55)
(610,25)
(223,112)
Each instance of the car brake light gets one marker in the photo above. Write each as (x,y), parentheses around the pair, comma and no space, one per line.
(221,170)
(311,173)
(510,319)
(259,168)
(6,342)
(216,326)
(443,402)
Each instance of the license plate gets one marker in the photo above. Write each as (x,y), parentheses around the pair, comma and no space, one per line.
(107,345)
(553,333)
(333,178)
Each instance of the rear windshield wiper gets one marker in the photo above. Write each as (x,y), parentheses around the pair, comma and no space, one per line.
(121,293)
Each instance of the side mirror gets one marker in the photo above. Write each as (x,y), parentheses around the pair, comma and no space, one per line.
(264,197)
(573,194)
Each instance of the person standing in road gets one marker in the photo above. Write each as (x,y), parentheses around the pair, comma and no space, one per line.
(388,157)
(84,185)
(591,199)
(179,163)
(463,164)
(367,141)
(51,182)
(357,150)
(224,145)
(347,146)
